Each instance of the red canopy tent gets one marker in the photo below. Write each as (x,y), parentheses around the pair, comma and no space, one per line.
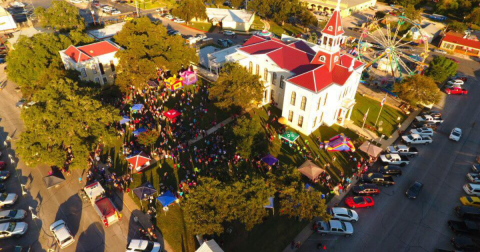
(138,161)
(172,113)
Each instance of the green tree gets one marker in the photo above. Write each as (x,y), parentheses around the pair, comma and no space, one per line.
(249,135)
(148,138)
(237,3)
(457,26)
(65,116)
(445,6)
(474,17)
(189,9)
(60,16)
(413,13)
(148,47)
(298,202)
(79,37)
(418,90)
(441,68)
(380,14)
(236,87)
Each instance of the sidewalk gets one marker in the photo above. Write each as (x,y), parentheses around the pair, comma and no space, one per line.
(211,130)
(307,231)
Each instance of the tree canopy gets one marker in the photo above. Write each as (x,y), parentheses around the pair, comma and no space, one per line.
(418,90)
(249,136)
(236,87)
(61,16)
(441,68)
(148,47)
(65,116)
(302,203)
(189,9)
(413,13)
(474,16)
(283,11)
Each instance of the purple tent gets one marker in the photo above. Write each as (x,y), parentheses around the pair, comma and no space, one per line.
(269,159)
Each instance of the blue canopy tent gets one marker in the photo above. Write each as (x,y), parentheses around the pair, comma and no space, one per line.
(270,204)
(138,131)
(166,199)
(269,159)
(137,107)
(124,120)
(144,191)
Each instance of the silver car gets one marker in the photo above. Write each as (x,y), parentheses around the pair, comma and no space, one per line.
(13,229)
(12,215)
(343,214)
(334,227)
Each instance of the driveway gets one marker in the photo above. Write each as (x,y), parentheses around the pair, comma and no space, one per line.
(399,224)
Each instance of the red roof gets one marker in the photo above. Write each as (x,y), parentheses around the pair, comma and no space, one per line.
(253,40)
(334,25)
(458,39)
(301,45)
(86,52)
(291,59)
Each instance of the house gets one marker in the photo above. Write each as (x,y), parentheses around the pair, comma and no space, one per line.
(347,7)
(96,62)
(107,32)
(455,42)
(7,24)
(429,31)
(238,20)
(313,85)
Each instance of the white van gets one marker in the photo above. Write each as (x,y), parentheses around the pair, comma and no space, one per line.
(472,189)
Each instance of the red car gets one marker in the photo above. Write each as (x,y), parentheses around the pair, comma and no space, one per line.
(2,165)
(456,90)
(359,201)
(454,60)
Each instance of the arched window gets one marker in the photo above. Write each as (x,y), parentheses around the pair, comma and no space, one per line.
(274,78)
(257,70)
(282,82)
(265,74)
(304,103)
(300,121)
(322,58)
(330,28)
(293,98)
(250,67)
(336,58)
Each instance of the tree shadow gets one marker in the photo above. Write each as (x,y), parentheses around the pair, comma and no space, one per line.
(92,239)
(71,212)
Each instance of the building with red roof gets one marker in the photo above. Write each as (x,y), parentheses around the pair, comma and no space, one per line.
(313,84)
(458,43)
(96,62)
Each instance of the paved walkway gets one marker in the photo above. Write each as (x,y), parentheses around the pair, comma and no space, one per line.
(365,133)
(211,130)
(308,231)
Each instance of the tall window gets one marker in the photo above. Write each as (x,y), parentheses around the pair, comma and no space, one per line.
(84,72)
(274,78)
(97,80)
(282,82)
(321,118)
(325,101)
(292,99)
(94,69)
(101,68)
(265,97)
(265,74)
(257,70)
(304,103)
(319,102)
(250,67)
(300,121)
(290,116)
(112,66)
(104,80)
(315,122)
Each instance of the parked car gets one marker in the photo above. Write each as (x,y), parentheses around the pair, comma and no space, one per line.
(476,168)
(467,212)
(464,227)
(4,175)
(2,188)
(143,245)
(456,90)
(8,199)
(222,42)
(402,150)
(228,33)
(62,234)
(414,190)
(378,179)
(470,201)
(465,243)
(456,77)
(473,177)
(12,215)
(13,229)
(456,134)
(201,36)
(432,113)
(179,20)
(390,170)
(455,82)
(424,131)
(343,214)
(472,189)
(116,12)
(439,51)
(359,202)
(334,227)
(366,189)
(394,159)
(429,118)
(430,125)
(416,139)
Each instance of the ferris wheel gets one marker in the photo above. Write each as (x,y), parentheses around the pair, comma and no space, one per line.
(394,45)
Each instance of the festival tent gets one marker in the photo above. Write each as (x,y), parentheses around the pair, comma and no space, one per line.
(137,107)
(209,246)
(124,120)
(270,203)
(340,143)
(139,160)
(139,131)
(172,113)
(370,149)
(269,159)
(54,179)
(166,199)
(310,170)
(290,136)
(144,190)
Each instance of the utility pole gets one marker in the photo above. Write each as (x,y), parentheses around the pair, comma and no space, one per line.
(136,6)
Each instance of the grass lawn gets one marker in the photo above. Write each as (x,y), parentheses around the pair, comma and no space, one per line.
(257,23)
(206,27)
(287,28)
(153,4)
(388,116)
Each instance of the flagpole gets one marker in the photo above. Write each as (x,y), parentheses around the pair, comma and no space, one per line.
(365,117)
(380,112)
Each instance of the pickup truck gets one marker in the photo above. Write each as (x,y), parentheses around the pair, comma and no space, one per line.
(464,227)
(416,139)
(394,159)
(474,177)
(424,131)
(378,179)
(429,118)
(104,207)
(334,227)
(402,150)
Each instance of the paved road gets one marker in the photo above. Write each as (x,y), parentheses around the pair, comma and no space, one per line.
(398,224)
(55,203)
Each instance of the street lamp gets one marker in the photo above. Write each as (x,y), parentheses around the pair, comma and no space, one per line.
(93,16)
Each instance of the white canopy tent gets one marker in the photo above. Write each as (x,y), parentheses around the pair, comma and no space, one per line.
(209,246)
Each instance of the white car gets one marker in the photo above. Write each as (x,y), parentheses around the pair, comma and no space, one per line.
(17,4)
(343,214)
(116,12)
(179,20)
(422,131)
(456,134)
(143,245)
(8,199)
(62,234)
(13,229)
(75,1)
(169,17)
(229,33)
(455,82)
(473,177)
(439,51)
(12,215)
(201,36)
